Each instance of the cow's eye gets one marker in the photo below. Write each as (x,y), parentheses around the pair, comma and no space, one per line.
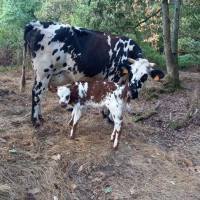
(67,97)
(144,78)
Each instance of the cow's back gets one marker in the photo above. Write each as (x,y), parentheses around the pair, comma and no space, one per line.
(93,49)
(86,53)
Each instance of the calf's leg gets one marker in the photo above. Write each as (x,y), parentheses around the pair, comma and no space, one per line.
(117,118)
(116,133)
(76,115)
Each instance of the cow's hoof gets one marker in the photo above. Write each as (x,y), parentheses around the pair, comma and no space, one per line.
(37,123)
(41,119)
(71,137)
(115,147)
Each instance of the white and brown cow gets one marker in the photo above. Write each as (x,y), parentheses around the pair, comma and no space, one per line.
(95,94)
(103,94)
(79,52)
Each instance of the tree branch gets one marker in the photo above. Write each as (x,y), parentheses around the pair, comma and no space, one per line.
(147,18)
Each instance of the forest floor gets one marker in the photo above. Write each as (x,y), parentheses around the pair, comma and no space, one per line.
(158,157)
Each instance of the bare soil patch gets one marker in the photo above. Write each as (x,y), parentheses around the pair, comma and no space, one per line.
(158,155)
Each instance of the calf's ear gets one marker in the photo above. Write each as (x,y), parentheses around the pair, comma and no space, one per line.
(52,89)
(157,74)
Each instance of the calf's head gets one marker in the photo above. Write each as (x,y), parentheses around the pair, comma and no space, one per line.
(138,72)
(63,93)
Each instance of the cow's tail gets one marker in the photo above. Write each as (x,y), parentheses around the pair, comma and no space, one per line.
(27,29)
(23,78)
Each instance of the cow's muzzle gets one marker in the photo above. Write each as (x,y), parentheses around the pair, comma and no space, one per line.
(134,91)
(63,105)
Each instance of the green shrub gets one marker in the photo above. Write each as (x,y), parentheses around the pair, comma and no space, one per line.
(188,60)
(153,55)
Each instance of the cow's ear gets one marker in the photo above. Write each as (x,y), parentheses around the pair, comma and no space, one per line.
(157,74)
(124,71)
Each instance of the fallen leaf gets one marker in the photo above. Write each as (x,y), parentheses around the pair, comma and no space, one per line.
(34,191)
(80,169)
(14,151)
(2,140)
(55,198)
(108,190)
(56,157)
(74,186)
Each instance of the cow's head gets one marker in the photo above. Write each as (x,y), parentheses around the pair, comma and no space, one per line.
(63,93)
(138,73)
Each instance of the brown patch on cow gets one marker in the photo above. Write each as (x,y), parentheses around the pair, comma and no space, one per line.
(97,90)
(74,94)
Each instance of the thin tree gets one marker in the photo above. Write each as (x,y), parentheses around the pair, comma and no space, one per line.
(175,29)
(171,42)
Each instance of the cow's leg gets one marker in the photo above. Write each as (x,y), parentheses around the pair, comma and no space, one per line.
(39,87)
(76,115)
(117,118)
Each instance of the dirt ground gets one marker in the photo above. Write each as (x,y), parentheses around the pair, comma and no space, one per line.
(158,157)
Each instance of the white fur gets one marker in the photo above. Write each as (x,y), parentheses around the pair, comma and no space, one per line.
(62,92)
(109,41)
(139,68)
(82,89)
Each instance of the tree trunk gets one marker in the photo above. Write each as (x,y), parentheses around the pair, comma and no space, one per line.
(175,30)
(172,68)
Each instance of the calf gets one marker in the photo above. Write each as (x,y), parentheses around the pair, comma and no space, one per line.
(107,94)
(95,94)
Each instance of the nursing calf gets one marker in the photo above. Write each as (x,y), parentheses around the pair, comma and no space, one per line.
(95,94)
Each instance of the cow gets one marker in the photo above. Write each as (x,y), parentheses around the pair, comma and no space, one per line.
(107,94)
(80,52)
